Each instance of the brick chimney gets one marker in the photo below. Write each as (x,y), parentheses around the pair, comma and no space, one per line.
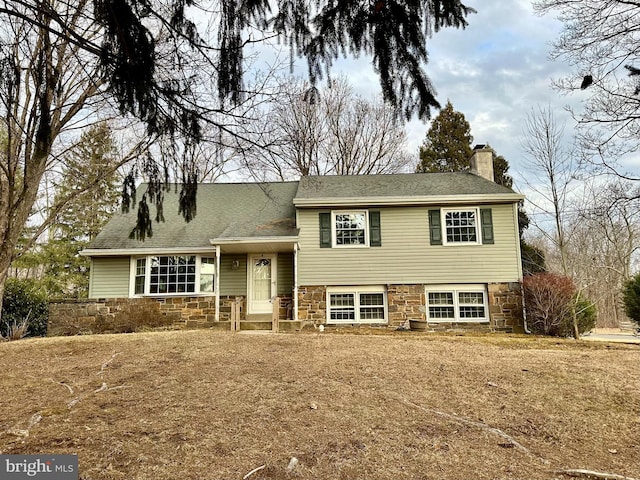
(482,162)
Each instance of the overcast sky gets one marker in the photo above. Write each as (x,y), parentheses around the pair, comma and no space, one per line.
(494,72)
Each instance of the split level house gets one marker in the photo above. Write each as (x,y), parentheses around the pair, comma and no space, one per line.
(332,250)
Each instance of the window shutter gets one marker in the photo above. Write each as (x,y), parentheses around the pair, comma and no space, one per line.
(375,235)
(486,221)
(325,230)
(435,227)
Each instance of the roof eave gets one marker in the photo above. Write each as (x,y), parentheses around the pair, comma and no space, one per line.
(119,252)
(409,200)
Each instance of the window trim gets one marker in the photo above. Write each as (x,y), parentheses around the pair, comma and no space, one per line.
(356,291)
(334,240)
(478,227)
(456,289)
(147,276)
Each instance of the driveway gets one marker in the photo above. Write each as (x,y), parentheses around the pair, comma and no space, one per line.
(621,337)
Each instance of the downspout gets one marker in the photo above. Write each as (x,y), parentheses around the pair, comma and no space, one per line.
(524,313)
(520,271)
(217,277)
(295,281)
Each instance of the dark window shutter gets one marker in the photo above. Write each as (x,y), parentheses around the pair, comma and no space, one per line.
(375,235)
(325,230)
(486,221)
(435,227)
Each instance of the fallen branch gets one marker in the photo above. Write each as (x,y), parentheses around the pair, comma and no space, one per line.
(63,384)
(253,471)
(105,365)
(579,473)
(24,432)
(104,388)
(483,426)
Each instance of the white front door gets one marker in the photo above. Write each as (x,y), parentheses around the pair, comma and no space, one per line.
(262,283)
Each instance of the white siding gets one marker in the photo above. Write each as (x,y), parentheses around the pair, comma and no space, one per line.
(109,277)
(406,256)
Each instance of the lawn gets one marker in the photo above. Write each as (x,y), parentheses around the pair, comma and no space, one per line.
(206,405)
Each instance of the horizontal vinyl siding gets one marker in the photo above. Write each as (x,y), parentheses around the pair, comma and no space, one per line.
(406,257)
(285,273)
(233,281)
(110,277)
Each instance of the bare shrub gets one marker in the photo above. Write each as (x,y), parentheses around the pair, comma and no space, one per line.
(15,331)
(548,298)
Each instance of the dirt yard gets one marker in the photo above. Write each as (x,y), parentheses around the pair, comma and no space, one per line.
(205,405)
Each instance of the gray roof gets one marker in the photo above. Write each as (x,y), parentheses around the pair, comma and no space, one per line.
(224,210)
(397,185)
(228,211)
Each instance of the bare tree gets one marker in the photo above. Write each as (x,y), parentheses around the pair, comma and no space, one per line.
(548,159)
(605,244)
(328,132)
(600,40)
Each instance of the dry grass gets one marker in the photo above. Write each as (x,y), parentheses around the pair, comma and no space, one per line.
(205,405)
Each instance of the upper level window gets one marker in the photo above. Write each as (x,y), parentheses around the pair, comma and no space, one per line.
(350,228)
(173,275)
(461,226)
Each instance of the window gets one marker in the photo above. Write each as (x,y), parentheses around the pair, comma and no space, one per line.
(457,303)
(461,226)
(207,269)
(361,305)
(141,264)
(350,228)
(173,275)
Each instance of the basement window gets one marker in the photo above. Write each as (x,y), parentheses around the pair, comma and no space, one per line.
(356,305)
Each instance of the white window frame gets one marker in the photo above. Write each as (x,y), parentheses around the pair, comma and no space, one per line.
(334,238)
(356,291)
(147,276)
(443,220)
(455,290)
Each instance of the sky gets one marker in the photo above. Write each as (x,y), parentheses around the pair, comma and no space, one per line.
(495,72)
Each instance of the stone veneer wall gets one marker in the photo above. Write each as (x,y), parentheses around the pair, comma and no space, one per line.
(312,304)
(506,307)
(405,302)
(119,315)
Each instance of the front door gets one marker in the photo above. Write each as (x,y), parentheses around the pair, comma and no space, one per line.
(262,283)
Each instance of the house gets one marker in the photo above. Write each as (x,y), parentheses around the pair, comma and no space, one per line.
(378,249)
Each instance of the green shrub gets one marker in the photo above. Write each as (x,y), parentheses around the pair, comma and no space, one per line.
(631,298)
(586,314)
(24,300)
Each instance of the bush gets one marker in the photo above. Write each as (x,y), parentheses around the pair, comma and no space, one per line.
(548,300)
(23,301)
(586,314)
(631,298)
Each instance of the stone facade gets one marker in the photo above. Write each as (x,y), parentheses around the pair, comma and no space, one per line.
(405,302)
(408,302)
(312,304)
(122,315)
(505,307)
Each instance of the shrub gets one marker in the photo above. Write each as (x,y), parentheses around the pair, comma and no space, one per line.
(548,299)
(586,315)
(631,298)
(24,304)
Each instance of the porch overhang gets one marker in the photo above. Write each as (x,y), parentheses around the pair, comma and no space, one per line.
(255,244)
